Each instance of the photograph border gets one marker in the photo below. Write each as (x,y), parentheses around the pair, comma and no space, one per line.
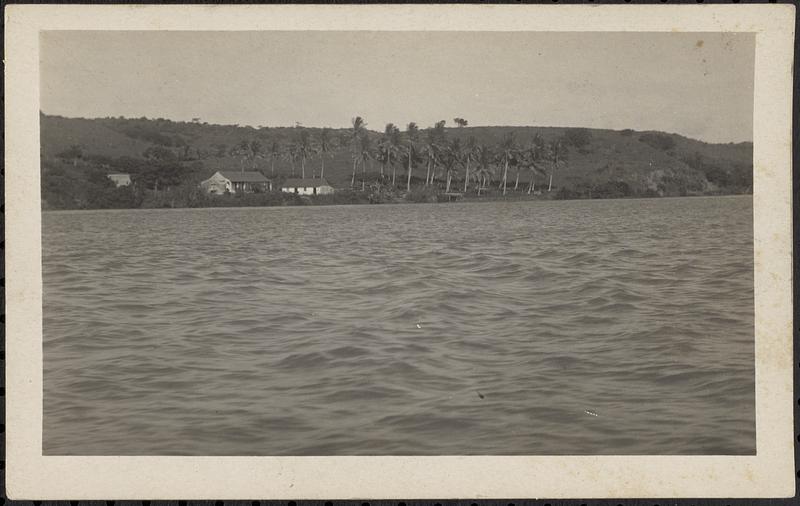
(770,473)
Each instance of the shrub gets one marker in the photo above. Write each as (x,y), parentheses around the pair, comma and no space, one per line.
(578,137)
(422,194)
(604,190)
(342,197)
(663,142)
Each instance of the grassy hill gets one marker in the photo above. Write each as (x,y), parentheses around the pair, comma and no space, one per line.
(78,153)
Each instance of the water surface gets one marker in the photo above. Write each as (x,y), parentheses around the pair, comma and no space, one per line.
(575,327)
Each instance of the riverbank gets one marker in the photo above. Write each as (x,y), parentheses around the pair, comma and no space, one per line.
(166,161)
(168,200)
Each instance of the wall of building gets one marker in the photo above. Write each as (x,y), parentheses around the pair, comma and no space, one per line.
(217,184)
(120,179)
(308,190)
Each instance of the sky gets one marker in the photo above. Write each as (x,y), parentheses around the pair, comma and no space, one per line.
(695,84)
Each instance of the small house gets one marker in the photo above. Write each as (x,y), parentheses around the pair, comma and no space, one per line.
(120,179)
(236,182)
(307,187)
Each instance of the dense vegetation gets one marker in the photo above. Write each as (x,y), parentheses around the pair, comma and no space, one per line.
(166,161)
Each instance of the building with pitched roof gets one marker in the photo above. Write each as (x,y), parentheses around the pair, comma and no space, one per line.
(307,186)
(120,179)
(236,182)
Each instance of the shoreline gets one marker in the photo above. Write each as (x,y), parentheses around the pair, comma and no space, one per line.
(481,200)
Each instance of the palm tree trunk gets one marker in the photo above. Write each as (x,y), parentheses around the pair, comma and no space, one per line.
(322,169)
(466,176)
(363,174)
(505,176)
(530,186)
(272,167)
(428,172)
(408,184)
(394,173)
(303,167)
(550,186)
(447,187)
(353,179)
(516,184)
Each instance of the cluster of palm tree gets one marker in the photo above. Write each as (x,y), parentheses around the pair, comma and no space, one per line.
(297,152)
(444,160)
(303,148)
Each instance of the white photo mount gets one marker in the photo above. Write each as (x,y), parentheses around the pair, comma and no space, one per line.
(770,473)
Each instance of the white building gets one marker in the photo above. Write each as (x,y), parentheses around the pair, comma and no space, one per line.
(307,187)
(120,179)
(236,182)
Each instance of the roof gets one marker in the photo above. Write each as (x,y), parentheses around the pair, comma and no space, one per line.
(244,177)
(304,183)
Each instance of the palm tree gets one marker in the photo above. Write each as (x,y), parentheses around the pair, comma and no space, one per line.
(394,149)
(358,127)
(440,145)
(256,151)
(469,155)
(430,154)
(558,154)
(304,150)
(238,151)
(437,142)
(246,150)
(385,148)
(324,149)
(453,157)
(486,178)
(412,134)
(484,157)
(534,160)
(364,156)
(291,155)
(536,170)
(273,151)
(508,149)
(74,153)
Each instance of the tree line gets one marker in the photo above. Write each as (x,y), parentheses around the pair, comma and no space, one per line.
(396,164)
(403,156)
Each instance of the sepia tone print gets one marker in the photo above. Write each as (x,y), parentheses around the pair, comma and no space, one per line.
(554,255)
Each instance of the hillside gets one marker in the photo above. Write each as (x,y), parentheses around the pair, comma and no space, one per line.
(77,154)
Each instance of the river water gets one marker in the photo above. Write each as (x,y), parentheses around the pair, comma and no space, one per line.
(564,327)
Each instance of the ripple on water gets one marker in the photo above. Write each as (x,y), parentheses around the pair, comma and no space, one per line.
(525,328)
